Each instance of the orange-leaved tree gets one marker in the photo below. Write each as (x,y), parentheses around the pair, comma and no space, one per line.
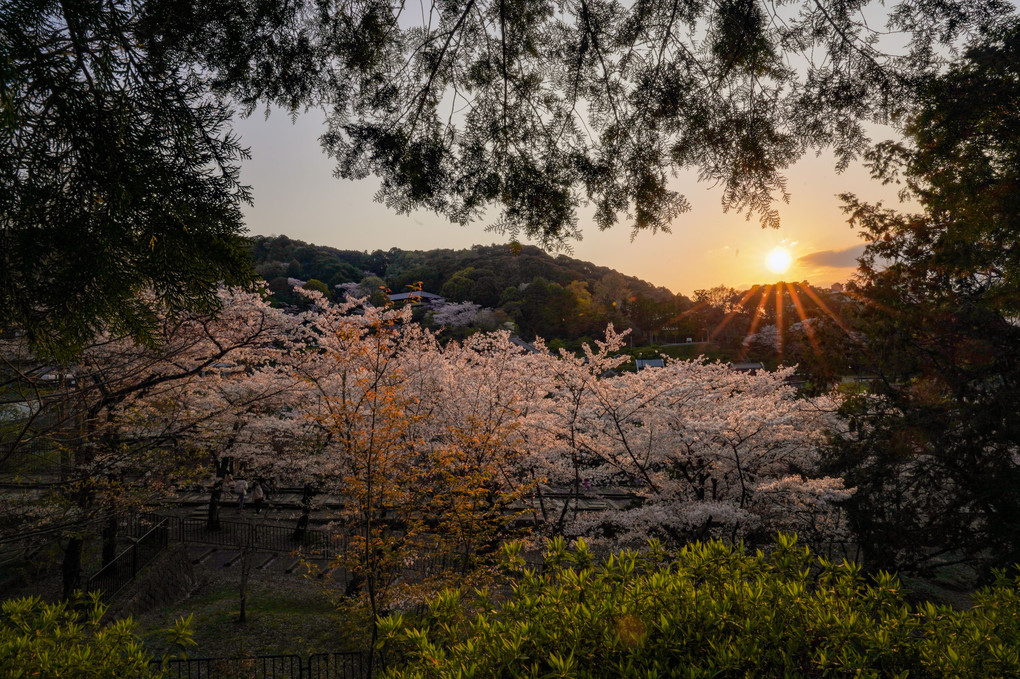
(418,441)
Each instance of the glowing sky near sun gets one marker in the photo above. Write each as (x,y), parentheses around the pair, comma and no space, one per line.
(778,260)
(295,194)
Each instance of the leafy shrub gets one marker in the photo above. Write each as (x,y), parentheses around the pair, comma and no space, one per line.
(710,611)
(69,640)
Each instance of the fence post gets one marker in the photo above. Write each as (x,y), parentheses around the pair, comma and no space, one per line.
(134,561)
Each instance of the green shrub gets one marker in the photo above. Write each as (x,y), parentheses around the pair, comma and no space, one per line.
(68,640)
(710,611)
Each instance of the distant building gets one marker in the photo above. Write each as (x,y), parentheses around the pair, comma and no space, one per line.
(747,367)
(418,297)
(223,369)
(527,346)
(57,375)
(643,363)
(859,379)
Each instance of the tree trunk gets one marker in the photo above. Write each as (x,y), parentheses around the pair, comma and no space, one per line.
(243,616)
(375,623)
(71,566)
(213,517)
(247,552)
(110,530)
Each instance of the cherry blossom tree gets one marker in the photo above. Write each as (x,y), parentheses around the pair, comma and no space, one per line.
(430,445)
(708,450)
(419,440)
(128,421)
(768,340)
(455,315)
(479,398)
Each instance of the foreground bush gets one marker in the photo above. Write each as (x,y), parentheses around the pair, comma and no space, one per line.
(710,611)
(69,640)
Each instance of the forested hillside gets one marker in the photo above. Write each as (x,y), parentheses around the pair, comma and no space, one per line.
(568,301)
(554,297)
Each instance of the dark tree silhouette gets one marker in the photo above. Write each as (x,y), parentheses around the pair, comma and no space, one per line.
(533,107)
(118,176)
(936,460)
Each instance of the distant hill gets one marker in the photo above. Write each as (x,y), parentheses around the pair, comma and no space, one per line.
(551,296)
(567,301)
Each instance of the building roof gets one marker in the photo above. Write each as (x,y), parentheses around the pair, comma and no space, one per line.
(415,294)
(527,346)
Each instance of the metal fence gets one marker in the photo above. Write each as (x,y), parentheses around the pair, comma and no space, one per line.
(258,536)
(31,460)
(261,667)
(350,665)
(124,568)
(235,534)
(151,533)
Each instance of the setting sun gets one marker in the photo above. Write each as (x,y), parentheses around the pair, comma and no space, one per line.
(779,260)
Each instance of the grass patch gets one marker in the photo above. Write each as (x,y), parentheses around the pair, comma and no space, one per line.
(286,614)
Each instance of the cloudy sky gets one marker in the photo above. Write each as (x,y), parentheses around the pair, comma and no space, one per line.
(296,194)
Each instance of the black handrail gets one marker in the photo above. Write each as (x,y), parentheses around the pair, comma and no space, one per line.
(258,536)
(152,532)
(124,567)
(343,665)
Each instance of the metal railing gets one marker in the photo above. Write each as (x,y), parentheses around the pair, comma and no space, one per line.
(124,567)
(235,534)
(261,667)
(257,536)
(349,665)
(151,533)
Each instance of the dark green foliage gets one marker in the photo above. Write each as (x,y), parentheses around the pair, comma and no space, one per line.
(935,460)
(118,176)
(709,611)
(317,286)
(458,287)
(283,291)
(71,640)
(566,299)
(545,306)
(535,108)
(553,297)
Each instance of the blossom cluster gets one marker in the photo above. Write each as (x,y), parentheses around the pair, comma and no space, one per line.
(360,401)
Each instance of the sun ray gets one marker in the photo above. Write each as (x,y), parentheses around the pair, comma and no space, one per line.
(870,302)
(758,313)
(676,317)
(809,329)
(733,312)
(824,307)
(697,307)
(779,318)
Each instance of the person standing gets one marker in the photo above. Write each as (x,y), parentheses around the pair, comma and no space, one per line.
(306,513)
(212,520)
(240,487)
(228,483)
(258,495)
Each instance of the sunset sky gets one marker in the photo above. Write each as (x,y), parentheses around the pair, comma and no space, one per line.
(297,195)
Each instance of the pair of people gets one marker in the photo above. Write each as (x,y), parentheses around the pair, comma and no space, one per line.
(258,495)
